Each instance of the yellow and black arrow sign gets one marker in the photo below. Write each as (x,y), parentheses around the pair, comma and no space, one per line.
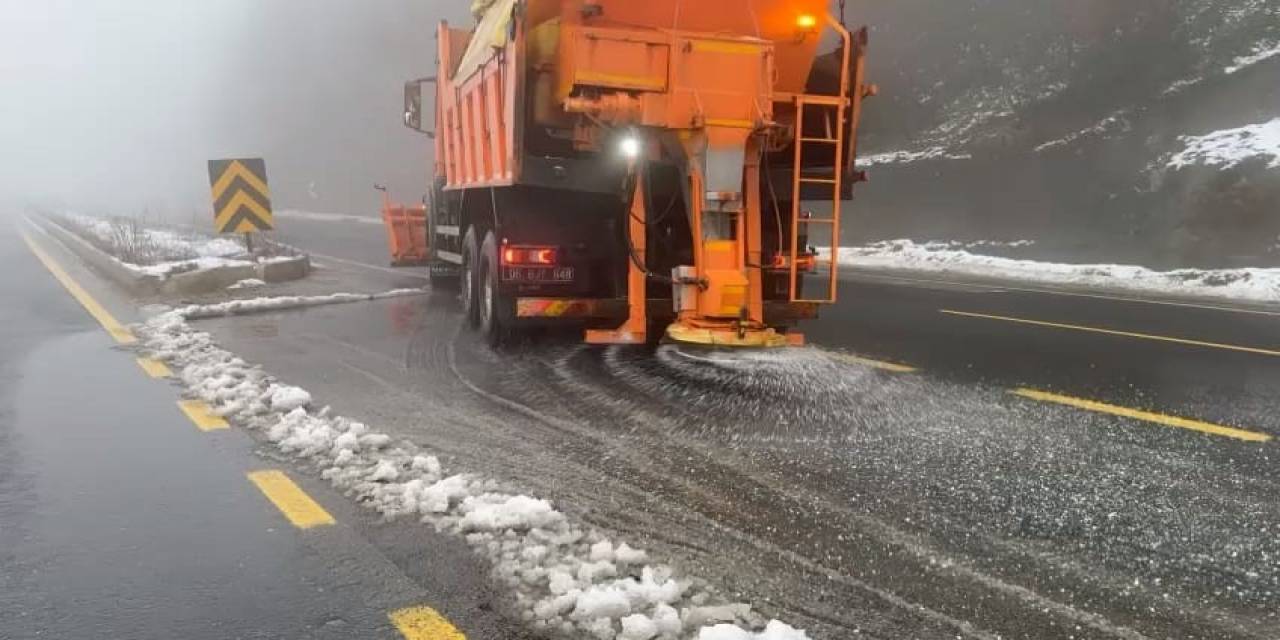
(241,199)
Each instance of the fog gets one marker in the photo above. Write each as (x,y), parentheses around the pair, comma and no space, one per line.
(114,106)
(1047,120)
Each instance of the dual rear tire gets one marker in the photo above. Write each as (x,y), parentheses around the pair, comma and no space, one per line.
(485,307)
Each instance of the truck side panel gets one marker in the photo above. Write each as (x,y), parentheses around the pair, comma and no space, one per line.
(476,139)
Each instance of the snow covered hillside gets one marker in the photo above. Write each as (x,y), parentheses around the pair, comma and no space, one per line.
(1029,72)
(1137,132)
(1230,147)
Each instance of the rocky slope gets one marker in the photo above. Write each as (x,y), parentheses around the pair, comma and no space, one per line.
(1059,121)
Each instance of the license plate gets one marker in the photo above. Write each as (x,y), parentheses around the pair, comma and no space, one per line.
(537,274)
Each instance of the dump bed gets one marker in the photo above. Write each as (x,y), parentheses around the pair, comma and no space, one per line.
(498,83)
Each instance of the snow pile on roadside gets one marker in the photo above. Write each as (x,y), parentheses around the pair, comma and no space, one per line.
(172,267)
(1256,285)
(167,242)
(162,252)
(565,579)
(1230,147)
(282,303)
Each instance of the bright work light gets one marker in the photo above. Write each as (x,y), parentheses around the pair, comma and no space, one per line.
(630,147)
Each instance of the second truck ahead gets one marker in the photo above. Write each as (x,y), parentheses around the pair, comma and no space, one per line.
(639,167)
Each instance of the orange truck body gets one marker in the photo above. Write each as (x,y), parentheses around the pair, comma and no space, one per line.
(716,100)
(680,58)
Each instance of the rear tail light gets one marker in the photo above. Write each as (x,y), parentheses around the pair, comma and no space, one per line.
(537,256)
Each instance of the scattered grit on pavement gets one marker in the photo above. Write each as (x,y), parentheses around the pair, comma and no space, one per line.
(563,578)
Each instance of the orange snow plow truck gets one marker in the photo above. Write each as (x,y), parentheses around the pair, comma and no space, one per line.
(638,167)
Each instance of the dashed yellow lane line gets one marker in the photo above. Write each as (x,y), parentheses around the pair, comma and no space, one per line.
(1113,332)
(290,499)
(118,331)
(424,623)
(877,364)
(155,368)
(202,416)
(1145,416)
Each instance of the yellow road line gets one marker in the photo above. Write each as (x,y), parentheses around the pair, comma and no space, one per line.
(99,313)
(290,499)
(868,362)
(1146,416)
(424,623)
(1113,332)
(155,368)
(203,417)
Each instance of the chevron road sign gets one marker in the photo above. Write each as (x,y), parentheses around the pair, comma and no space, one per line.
(241,199)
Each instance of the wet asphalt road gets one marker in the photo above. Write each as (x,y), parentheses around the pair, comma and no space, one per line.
(119,519)
(930,504)
(853,501)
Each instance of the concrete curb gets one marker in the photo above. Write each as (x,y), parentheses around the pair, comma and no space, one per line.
(191,282)
(140,284)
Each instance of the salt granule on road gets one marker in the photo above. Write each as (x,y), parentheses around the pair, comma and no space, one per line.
(562,578)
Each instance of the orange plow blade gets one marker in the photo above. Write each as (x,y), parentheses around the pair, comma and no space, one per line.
(406,233)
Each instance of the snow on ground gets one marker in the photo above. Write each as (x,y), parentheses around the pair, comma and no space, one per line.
(247,283)
(165,241)
(1180,85)
(283,303)
(1110,123)
(1252,285)
(1261,51)
(327,217)
(1230,147)
(563,578)
(168,252)
(906,157)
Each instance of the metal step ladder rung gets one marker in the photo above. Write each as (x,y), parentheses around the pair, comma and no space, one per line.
(834,106)
(816,100)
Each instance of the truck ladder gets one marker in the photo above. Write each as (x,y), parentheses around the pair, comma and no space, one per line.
(824,105)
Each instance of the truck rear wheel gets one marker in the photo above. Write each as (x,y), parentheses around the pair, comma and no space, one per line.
(494,316)
(469,275)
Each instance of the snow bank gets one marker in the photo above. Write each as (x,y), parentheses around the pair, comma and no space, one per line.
(283,303)
(1253,285)
(564,579)
(1230,147)
(169,252)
